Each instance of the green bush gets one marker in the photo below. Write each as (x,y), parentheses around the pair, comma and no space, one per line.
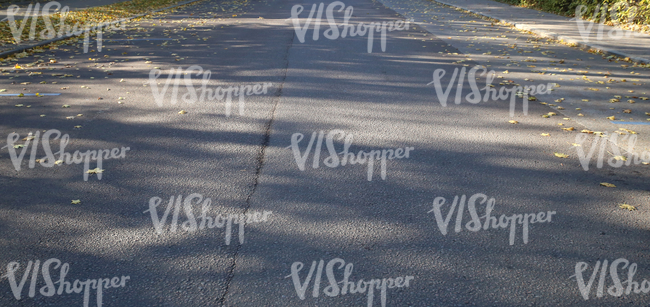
(624,11)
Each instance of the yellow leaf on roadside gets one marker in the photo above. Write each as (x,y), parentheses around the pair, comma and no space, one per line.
(627,130)
(76,201)
(510,121)
(626,206)
(606,184)
(561,155)
(95,171)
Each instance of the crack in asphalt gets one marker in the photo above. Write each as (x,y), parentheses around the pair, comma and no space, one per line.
(260,164)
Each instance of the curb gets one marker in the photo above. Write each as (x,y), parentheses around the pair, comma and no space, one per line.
(553,35)
(49,41)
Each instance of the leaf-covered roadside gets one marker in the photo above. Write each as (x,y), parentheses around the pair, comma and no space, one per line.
(640,9)
(84,18)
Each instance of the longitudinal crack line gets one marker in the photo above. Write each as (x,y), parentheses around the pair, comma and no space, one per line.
(260,163)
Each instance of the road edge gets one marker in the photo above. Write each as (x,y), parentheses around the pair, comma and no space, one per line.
(553,35)
(49,41)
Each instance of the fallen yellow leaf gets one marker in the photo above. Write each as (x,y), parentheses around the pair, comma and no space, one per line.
(95,171)
(626,206)
(627,130)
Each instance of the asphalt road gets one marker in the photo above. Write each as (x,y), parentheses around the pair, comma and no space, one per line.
(385,227)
